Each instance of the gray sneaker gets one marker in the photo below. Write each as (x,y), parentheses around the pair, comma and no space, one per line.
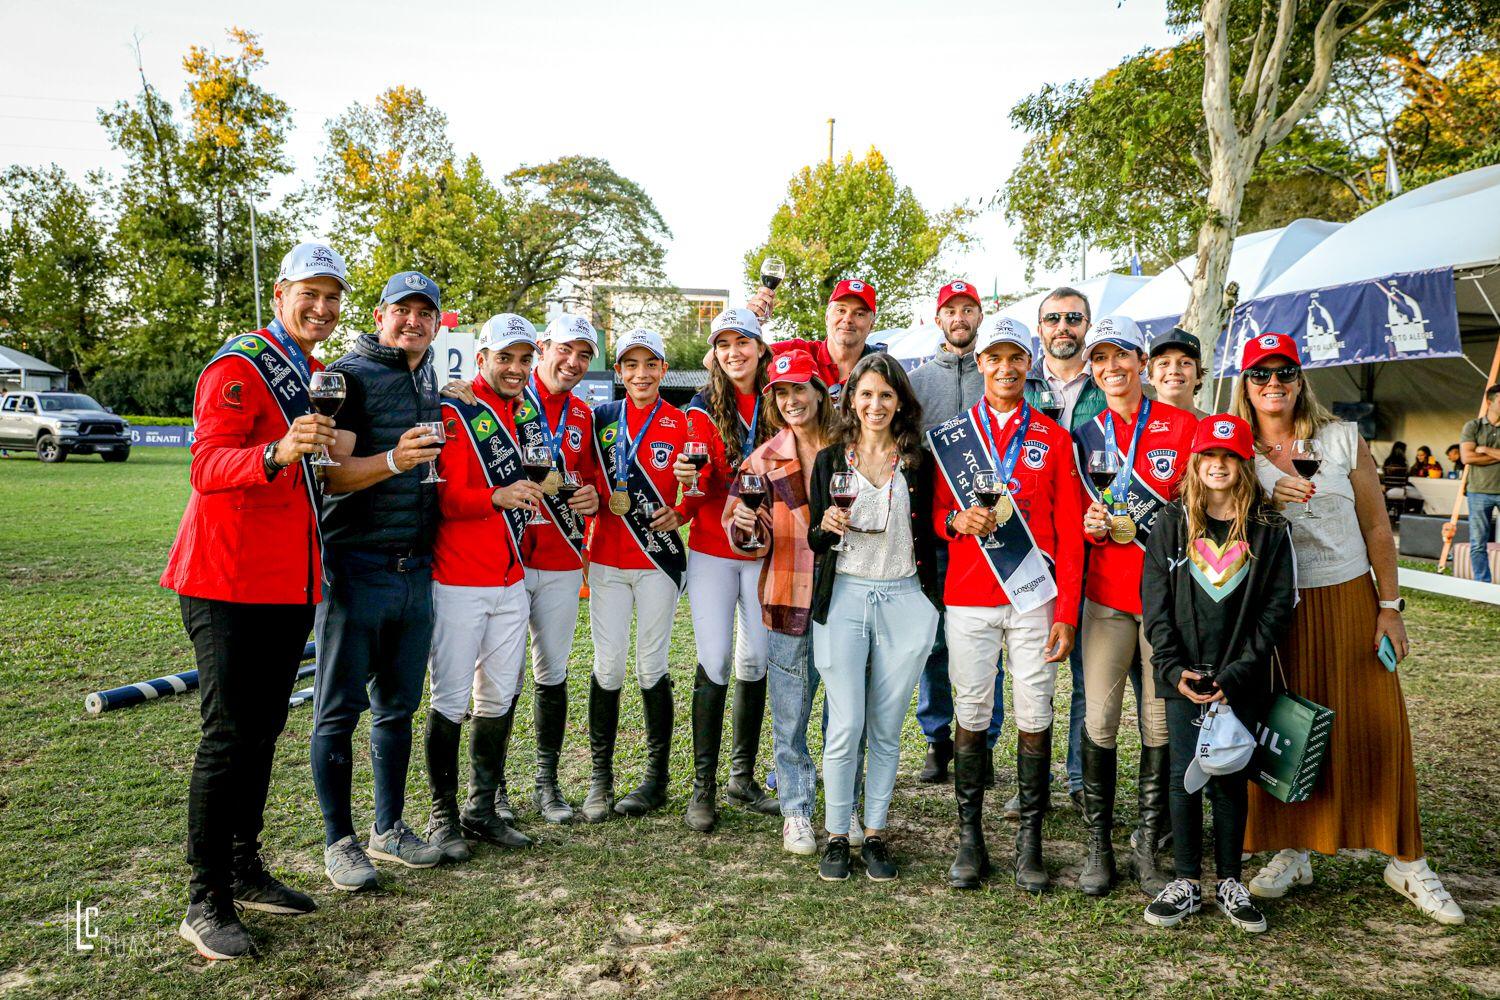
(347,866)
(402,845)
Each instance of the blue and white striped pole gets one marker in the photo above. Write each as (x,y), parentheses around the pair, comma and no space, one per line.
(99,702)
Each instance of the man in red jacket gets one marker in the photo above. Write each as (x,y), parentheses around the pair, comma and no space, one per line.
(1015,569)
(247,568)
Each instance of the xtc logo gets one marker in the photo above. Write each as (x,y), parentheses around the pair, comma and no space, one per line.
(1223,429)
(516,326)
(415,281)
(661,454)
(322,255)
(1162,460)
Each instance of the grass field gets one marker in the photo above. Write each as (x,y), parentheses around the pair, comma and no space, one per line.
(92,812)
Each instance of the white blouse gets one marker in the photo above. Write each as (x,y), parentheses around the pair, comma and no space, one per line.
(1330,548)
(880,555)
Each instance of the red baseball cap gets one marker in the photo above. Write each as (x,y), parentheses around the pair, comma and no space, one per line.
(1225,430)
(795,366)
(854,287)
(1269,345)
(953,288)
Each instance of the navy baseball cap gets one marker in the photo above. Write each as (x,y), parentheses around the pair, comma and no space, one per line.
(408,283)
(1180,339)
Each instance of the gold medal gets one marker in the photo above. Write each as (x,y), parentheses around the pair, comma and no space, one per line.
(619,502)
(1004,508)
(1121,529)
(552,482)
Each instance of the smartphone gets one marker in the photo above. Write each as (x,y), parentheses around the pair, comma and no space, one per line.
(1387,652)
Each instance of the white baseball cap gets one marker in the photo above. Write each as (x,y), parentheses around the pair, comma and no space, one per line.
(567,328)
(1224,747)
(741,320)
(999,329)
(1118,330)
(505,329)
(314,260)
(649,339)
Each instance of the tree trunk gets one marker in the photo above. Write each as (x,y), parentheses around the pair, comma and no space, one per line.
(1205,316)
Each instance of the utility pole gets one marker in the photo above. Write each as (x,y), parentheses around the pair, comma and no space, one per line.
(830,142)
(254,254)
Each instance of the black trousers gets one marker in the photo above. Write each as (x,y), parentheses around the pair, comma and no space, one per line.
(1229,794)
(247,656)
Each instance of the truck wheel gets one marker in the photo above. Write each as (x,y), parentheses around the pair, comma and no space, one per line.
(118,455)
(48,449)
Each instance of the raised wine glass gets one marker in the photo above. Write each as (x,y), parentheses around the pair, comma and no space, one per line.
(753,495)
(1103,467)
(843,487)
(696,452)
(987,493)
(434,429)
(1307,459)
(536,460)
(772,271)
(325,392)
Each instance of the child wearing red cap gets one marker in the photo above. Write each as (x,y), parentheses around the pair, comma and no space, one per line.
(1217,588)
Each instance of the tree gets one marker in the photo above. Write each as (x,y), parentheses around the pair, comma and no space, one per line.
(853,219)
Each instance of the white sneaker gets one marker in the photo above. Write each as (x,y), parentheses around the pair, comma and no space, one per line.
(797,836)
(856,832)
(1288,868)
(1420,884)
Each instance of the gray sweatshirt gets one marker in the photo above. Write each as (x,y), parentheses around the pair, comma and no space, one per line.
(946,386)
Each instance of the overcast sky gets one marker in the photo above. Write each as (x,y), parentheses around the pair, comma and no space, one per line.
(711,108)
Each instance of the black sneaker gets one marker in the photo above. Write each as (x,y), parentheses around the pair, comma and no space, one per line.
(1234,899)
(877,857)
(1174,904)
(215,930)
(256,889)
(835,864)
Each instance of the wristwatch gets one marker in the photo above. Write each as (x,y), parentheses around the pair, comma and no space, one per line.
(948,521)
(1398,605)
(268,459)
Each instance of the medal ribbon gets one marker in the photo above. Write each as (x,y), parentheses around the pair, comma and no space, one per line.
(1005,467)
(747,440)
(291,350)
(1121,486)
(554,439)
(625,454)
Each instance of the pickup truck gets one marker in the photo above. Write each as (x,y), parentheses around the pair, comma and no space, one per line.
(58,424)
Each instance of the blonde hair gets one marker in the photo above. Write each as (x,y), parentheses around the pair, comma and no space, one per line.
(1308,415)
(1245,493)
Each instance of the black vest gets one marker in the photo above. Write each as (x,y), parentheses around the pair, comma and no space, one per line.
(398,514)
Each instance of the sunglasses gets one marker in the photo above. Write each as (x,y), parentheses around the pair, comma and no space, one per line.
(1072,318)
(1261,376)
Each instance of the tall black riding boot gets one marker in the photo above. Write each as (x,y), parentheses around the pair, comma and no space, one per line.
(935,764)
(1154,785)
(488,738)
(651,793)
(749,714)
(551,714)
(1033,760)
(604,725)
(441,744)
(971,865)
(708,733)
(1099,817)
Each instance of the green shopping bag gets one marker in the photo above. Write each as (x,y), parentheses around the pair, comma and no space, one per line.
(1291,746)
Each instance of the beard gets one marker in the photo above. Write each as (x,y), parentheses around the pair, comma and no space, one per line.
(1062,349)
(959,337)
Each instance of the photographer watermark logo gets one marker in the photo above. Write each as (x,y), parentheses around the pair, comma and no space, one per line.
(83,926)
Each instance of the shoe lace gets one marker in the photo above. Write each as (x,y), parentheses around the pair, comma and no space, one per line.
(349,853)
(798,827)
(1234,894)
(1179,891)
(406,837)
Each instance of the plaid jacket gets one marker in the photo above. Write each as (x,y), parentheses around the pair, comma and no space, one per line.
(786,576)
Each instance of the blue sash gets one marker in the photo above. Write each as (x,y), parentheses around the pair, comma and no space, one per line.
(536,432)
(1020,566)
(609,426)
(1142,503)
(288,388)
(499,456)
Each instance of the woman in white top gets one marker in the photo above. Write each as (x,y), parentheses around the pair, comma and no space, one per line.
(875,598)
(1366,795)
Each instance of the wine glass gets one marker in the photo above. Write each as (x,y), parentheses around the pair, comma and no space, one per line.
(843,487)
(772,271)
(987,492)
(434,429)
(1306,459)
(325,391)
(648,511)
(537,461)
(566,490)
(753,495)
(696,452)
(1050,403)
(1104,466)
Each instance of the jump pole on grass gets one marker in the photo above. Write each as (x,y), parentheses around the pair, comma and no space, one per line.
(99,702)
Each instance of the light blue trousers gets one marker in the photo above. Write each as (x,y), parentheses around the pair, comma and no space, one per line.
(869,654)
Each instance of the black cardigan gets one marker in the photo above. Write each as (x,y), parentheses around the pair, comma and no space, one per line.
(1265,611)
(924,541)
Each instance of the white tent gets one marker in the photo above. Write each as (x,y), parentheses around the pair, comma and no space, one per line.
(1256,259)
(1105,293)
(911,345)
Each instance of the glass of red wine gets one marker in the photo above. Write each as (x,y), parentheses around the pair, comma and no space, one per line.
(1103,467)
(772,271)
(696,453)
(648,511)
(987,493)
(537,463)
(326,394)
(1050,403)
(1307,459)
(843,487)
(434,429)
(753,495)
(566,491)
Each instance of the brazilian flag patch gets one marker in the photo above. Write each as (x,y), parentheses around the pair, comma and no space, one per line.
(484,425)
(527,413)
(250,345)
(608,435)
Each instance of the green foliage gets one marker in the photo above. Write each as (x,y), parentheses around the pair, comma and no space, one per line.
(158,388)
(151,420)
(853,219)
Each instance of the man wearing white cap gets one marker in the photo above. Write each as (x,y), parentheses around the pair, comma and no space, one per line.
(246,568)
(1008,501)
(479,601)
(636,567)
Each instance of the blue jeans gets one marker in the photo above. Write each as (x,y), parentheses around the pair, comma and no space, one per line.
(869,655)
(374,632)
(792,683)
(1482,507)
(1077,708)
(935,692)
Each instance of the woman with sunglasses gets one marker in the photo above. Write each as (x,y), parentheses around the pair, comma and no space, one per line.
(876,597)
(1366,797)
